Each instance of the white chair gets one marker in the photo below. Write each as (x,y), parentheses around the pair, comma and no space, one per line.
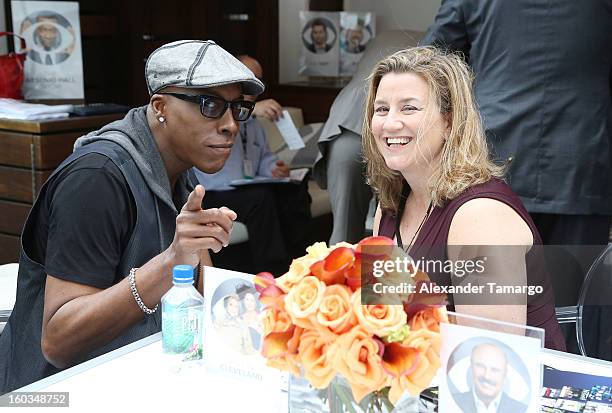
(592,314)
(8,290)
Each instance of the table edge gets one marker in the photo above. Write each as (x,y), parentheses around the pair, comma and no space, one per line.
(89,364)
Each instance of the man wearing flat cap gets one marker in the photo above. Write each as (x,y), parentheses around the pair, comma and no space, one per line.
(114,218)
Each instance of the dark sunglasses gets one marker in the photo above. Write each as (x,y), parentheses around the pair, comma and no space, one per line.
(214,107)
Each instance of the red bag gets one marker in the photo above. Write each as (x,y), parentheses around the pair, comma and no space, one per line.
(11,71)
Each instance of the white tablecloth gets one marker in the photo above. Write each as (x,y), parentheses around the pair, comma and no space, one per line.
(137,378)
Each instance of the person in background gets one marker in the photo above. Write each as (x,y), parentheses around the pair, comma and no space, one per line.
(339,167)
(277,216)
(118,214)
(545,96)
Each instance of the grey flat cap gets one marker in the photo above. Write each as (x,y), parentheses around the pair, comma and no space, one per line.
(197,64)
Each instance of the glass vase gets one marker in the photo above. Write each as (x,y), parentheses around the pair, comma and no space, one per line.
(338,398)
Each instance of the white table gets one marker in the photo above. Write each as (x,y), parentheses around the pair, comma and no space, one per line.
(133,377)
(136,378)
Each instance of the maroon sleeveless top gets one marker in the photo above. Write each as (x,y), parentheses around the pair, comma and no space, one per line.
(434,233)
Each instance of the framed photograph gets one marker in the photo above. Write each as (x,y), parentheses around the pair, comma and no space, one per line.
(233,332)
(54,63)
(490,366)
(357,29)
(320,40)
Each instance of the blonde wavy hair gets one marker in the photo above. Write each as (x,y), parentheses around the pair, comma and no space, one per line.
(464,160)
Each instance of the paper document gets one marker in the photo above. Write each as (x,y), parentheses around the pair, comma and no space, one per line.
(289,132)
(295,177)
(17,109)
(298,174)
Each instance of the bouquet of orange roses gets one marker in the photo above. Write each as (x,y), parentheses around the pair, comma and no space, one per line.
(314,323)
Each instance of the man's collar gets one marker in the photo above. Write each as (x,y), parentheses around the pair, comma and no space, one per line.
(481,407)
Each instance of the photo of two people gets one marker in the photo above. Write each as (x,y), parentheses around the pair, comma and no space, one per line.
(236,316)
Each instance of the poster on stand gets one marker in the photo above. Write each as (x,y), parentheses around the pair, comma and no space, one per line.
(319,38)
(357,29)
(54,63)
(489,365)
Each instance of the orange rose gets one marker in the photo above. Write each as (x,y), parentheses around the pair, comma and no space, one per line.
(357,359)
(276,320)
(378,319)
(304,299)
(317,354)
(429,319)
(335,312)
(426,344)
(299,268)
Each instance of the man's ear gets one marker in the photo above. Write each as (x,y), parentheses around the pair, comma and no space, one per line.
(158,104)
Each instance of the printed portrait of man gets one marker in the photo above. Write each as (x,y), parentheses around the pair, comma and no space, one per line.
(354,39)
(489,368)
(318,37)
(47,38)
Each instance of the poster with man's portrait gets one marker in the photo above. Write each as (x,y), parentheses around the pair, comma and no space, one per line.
(489,371)
(357,29)
(54,64)
(319,38)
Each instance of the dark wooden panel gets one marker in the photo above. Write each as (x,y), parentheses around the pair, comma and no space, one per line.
(84,123)
(315,102)
(15,148)
(266,32)
(9,248)
(16,183)
(98,25)
(51,150)
(13,216)
(48,150)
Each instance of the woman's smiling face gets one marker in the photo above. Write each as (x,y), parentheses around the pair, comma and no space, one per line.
(408,129)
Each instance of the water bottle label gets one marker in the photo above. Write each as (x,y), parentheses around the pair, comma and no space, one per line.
(182,333)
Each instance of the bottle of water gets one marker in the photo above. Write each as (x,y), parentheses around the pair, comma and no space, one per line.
(183,317)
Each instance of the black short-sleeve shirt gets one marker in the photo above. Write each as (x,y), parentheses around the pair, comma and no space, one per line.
(84,222)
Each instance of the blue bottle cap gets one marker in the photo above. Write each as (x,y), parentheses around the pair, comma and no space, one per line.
(182,274)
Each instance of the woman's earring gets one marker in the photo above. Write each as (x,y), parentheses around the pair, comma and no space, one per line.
(161,119)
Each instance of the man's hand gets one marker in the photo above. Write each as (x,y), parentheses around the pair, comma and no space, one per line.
(281,170)
(269,109)
(200,229)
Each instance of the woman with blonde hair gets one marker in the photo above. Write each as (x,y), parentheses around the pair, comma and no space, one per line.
(428,161)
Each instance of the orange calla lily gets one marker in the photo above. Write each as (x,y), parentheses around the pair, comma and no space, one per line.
(281,344)
(263,280)
(281,350)
(331,269)
(270,294)
(375,248)
(399,360)
(275,344)
(375,240)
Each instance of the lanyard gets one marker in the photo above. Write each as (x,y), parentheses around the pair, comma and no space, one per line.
(243,138)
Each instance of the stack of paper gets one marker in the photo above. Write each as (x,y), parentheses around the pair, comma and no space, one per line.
(17,109)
